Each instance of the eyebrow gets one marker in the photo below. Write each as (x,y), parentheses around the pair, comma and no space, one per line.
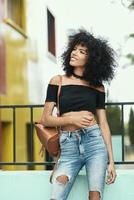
(85,50)
(82,49)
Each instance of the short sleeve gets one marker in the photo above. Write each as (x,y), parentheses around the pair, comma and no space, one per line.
(51,95)
(100,100)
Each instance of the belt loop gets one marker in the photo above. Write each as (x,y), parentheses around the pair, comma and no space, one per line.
(84,131)
(69,134)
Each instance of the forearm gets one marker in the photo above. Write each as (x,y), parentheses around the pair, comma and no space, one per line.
(52,121)
(108,141)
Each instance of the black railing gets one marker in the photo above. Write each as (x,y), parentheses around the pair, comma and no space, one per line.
(31,111)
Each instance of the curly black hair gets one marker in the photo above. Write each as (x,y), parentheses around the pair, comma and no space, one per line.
(101,64)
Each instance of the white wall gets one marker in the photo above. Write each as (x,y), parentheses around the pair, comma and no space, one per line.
(41,70)
(106,18)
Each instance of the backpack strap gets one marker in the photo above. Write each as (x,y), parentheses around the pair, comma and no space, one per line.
(58,94)
(58,114)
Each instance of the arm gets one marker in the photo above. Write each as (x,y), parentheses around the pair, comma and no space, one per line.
(47,117)
(50,120)
(102,120)
(72,118)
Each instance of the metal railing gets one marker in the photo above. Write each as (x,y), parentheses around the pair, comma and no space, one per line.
(31,111)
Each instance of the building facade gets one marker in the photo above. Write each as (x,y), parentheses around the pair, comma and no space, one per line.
(28,59)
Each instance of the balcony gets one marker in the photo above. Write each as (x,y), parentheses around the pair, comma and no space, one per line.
(17,182)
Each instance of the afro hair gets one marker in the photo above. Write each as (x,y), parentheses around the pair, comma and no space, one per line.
(101,64)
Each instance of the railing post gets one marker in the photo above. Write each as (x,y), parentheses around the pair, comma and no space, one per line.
(123,131)
(31,130)
(14,134)
(0,138)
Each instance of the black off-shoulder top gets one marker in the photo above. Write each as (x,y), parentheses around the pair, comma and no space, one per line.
(76,98)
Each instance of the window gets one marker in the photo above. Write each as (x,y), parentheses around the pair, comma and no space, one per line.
(2,10)
(15,14)
(2,66)
(51,33)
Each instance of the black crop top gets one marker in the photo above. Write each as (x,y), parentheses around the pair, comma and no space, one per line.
(76,98)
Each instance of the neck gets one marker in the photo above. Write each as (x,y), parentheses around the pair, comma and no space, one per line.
(78,71)
(76,75)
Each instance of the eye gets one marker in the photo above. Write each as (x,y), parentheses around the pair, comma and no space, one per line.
(83,52)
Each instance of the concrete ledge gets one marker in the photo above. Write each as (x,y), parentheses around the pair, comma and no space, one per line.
(34,185)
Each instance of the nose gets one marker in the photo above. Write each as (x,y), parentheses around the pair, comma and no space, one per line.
(74,52)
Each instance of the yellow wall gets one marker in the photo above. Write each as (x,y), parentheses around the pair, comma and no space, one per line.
(16,93)
(16,71)
(22,119)
(7,144)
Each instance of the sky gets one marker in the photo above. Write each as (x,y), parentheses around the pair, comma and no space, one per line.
(111,20)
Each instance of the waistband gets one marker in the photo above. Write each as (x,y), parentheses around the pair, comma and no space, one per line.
(95,126)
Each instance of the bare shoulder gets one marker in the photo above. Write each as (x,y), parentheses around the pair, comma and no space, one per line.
(55,80)
(101,88)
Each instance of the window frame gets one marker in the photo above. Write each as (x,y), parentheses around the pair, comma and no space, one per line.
(51,54)
(12,23)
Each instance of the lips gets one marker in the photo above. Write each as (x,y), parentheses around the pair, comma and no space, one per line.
(73,58)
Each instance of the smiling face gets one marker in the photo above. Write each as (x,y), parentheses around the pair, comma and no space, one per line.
(79,56)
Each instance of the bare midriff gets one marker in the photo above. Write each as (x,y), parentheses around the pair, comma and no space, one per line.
(74,127)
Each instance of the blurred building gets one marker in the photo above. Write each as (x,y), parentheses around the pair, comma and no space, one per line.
(28,58)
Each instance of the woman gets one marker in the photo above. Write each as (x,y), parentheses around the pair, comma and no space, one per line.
(85,137)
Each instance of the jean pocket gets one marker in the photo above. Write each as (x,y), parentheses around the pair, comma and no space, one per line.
(63,138)
(94,133)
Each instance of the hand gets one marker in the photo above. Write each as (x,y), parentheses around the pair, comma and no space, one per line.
(111,174)
(82,119)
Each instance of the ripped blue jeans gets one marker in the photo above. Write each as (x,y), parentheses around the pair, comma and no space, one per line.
(78,148)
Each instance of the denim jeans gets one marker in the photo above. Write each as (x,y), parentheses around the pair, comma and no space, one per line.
(78,148)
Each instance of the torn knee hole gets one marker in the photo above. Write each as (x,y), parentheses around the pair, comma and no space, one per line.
(62,179)
(94,194)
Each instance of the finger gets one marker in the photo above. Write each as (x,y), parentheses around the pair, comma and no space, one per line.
(82,125)
(85,120)
(89,118)
(85,124)
(111,178)
(109,181)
